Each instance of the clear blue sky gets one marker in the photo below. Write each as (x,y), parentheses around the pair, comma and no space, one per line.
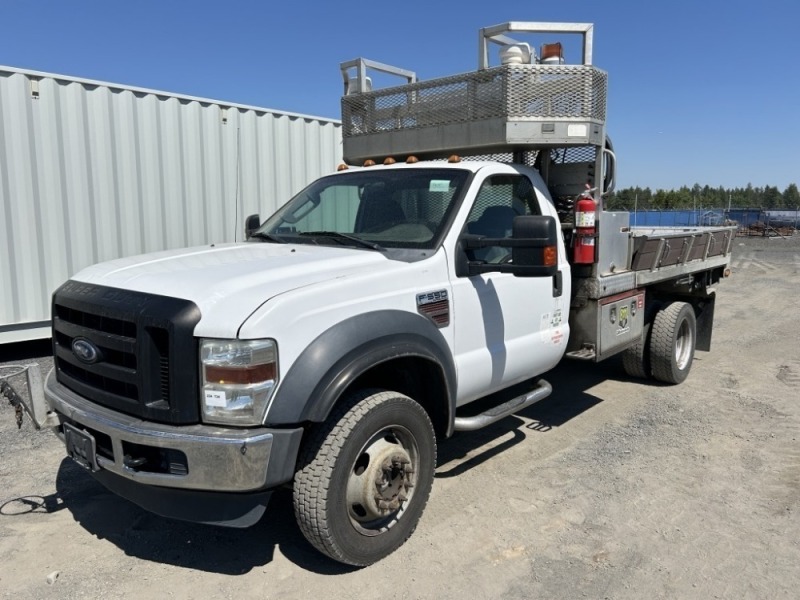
(703,91)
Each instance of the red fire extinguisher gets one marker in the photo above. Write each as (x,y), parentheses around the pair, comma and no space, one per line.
(585,209)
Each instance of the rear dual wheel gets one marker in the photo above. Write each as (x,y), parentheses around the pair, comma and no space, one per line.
(672,342)
(636,358)
(666,350)
(365,476)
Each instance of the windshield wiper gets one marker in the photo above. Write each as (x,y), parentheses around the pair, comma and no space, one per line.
(345,236)
(271,237)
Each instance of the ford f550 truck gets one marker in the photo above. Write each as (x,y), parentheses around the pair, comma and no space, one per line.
(463,250)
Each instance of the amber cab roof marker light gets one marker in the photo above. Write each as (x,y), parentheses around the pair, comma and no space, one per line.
(552,54)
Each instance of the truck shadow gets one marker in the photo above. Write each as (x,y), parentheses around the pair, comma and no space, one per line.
(208,548)
(228,551)
(569,379)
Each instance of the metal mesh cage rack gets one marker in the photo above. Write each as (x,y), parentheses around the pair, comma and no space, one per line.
(517,106)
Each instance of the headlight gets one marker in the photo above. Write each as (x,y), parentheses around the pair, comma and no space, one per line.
(238,377)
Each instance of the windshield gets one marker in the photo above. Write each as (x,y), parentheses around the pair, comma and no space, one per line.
(397,208)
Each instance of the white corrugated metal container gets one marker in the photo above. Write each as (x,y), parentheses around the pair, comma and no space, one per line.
(91,171)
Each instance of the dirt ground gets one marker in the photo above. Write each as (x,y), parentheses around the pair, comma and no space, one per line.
(610,488)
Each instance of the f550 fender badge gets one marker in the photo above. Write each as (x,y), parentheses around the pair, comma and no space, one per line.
(431,297)
(435,306)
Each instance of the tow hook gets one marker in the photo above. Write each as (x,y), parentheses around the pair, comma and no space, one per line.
(133,463)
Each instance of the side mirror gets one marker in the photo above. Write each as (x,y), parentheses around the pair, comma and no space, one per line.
(534,248)
(252,223)
(535,252)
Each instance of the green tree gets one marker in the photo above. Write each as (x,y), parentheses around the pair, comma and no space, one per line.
(772,198)
(662,200)
(750,196)
(704,197)
(791,196)
(683,197)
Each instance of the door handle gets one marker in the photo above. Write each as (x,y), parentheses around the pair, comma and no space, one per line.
(558,284)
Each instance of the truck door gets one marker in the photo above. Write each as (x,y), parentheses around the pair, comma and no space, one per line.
(507,328)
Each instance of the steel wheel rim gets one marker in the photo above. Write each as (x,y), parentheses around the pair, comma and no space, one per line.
(377,476)
(683,345)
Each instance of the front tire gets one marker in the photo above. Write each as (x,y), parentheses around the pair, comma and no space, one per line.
(364,477)
(672,342)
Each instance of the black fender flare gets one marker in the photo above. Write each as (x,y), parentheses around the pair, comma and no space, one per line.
(340,354)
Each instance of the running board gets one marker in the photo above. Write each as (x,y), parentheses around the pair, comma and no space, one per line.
(494,414)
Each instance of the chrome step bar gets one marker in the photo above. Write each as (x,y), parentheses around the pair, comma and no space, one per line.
(494,414)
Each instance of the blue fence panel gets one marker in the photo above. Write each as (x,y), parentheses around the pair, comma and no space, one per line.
(744,217)
(676,218)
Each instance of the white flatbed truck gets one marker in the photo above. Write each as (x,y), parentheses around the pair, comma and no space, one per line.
(352,331)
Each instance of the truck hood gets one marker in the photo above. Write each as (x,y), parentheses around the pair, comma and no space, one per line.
(229,281)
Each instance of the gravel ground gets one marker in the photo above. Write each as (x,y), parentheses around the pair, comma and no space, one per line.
(610,488)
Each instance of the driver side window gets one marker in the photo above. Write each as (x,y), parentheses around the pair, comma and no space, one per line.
(500,199)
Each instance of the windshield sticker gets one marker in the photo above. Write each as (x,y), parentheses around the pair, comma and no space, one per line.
(439,185)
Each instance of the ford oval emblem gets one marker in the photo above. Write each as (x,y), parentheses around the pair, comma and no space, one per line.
(85,351)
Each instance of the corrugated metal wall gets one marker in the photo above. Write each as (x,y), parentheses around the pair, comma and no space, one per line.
(91,171)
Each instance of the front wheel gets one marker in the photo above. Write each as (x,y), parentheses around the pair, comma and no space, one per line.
(672,342)
(365,476)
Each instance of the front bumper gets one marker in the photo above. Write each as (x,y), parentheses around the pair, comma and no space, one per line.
(213,459)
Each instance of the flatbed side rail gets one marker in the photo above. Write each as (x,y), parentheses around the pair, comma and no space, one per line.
(656,248)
